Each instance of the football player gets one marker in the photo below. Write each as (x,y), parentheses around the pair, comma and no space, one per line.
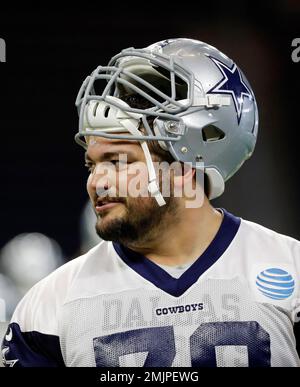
(175,282)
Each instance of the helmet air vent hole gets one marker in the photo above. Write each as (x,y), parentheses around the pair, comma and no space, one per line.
(106,111)
(212,133)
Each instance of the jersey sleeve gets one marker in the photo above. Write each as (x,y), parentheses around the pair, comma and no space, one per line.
(32,338)
(30,349)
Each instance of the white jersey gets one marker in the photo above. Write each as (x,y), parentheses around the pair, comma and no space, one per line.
(236,305)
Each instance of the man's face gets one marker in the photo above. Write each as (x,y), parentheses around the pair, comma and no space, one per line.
(113,185)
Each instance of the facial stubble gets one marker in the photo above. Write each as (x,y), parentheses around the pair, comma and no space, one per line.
(142,222)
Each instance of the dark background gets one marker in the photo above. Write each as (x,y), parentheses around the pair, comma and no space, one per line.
(51,50)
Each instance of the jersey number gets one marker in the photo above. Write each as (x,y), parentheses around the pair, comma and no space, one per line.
(159,344)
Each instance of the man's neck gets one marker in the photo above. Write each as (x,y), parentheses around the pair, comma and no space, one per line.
(185,240)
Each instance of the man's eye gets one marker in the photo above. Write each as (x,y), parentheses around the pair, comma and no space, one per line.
(119,165)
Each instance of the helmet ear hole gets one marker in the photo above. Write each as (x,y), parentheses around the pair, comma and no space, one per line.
(212,133)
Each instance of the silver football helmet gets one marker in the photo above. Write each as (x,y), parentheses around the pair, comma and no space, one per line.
(203,107)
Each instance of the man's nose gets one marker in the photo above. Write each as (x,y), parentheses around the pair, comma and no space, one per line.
(102,190)
(103,181)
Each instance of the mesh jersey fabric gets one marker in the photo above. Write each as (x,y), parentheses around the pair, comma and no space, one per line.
(113,307)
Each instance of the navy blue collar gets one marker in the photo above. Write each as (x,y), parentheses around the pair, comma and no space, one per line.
(177,286)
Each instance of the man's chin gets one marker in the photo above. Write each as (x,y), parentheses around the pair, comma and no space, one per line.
(110,230)
(109,225)
(107,220)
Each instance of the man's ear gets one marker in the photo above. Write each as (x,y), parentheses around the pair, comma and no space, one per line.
(184,177)
(189,184)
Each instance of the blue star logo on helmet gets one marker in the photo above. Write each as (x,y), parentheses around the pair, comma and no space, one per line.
(275,283)
(232,83)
